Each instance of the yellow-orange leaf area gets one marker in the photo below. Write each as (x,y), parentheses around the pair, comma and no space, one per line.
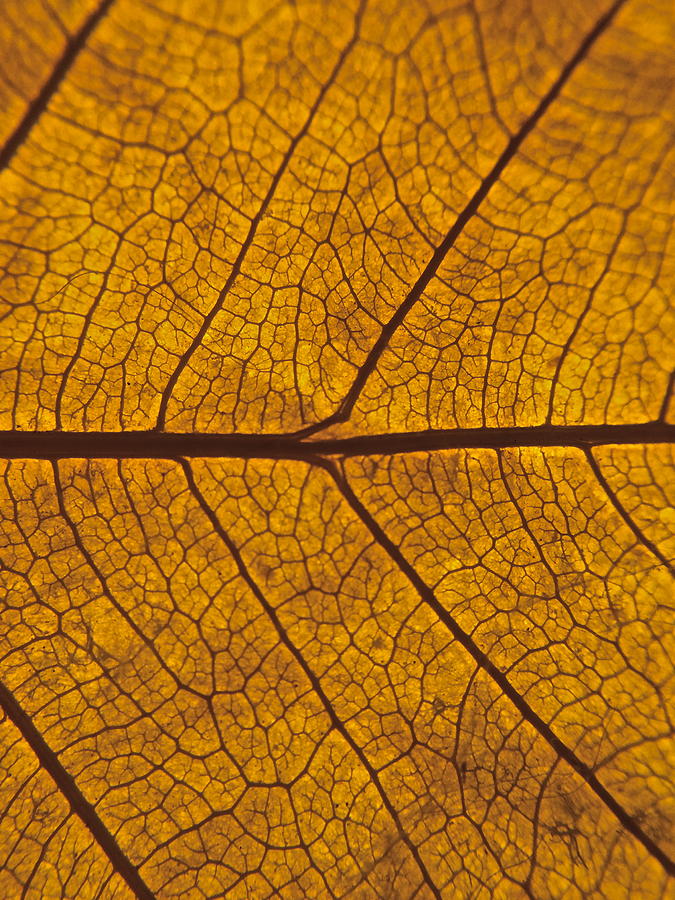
(411,675)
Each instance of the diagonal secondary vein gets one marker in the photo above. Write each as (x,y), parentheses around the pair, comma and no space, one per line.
(78,802)
(426,594)
(167,445)
(343,412)
(53,83)
(255,222)
(620,508)
(284,637)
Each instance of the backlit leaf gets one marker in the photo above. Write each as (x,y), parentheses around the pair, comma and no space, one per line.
(337,486)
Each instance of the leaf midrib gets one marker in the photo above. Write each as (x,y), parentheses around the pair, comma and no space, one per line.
(17,444)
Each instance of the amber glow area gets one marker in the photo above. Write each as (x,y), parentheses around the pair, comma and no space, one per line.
(336,438)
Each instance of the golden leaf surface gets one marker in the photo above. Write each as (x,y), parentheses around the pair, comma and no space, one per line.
(336,508)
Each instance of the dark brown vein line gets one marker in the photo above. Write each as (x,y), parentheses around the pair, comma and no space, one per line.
(628,821)
(167,445)
(621,509)
(78,803)
(53,83)
(344,411)
(663,412)
(336,722)
(255,222)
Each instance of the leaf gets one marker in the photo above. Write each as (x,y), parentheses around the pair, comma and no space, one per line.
(337,494)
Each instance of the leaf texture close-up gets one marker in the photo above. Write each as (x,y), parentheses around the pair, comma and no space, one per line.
(337,512)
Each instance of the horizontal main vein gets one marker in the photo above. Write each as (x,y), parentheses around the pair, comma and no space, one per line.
(167,445)
(53,83)
(344,411)
(630,823)
(78,802)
